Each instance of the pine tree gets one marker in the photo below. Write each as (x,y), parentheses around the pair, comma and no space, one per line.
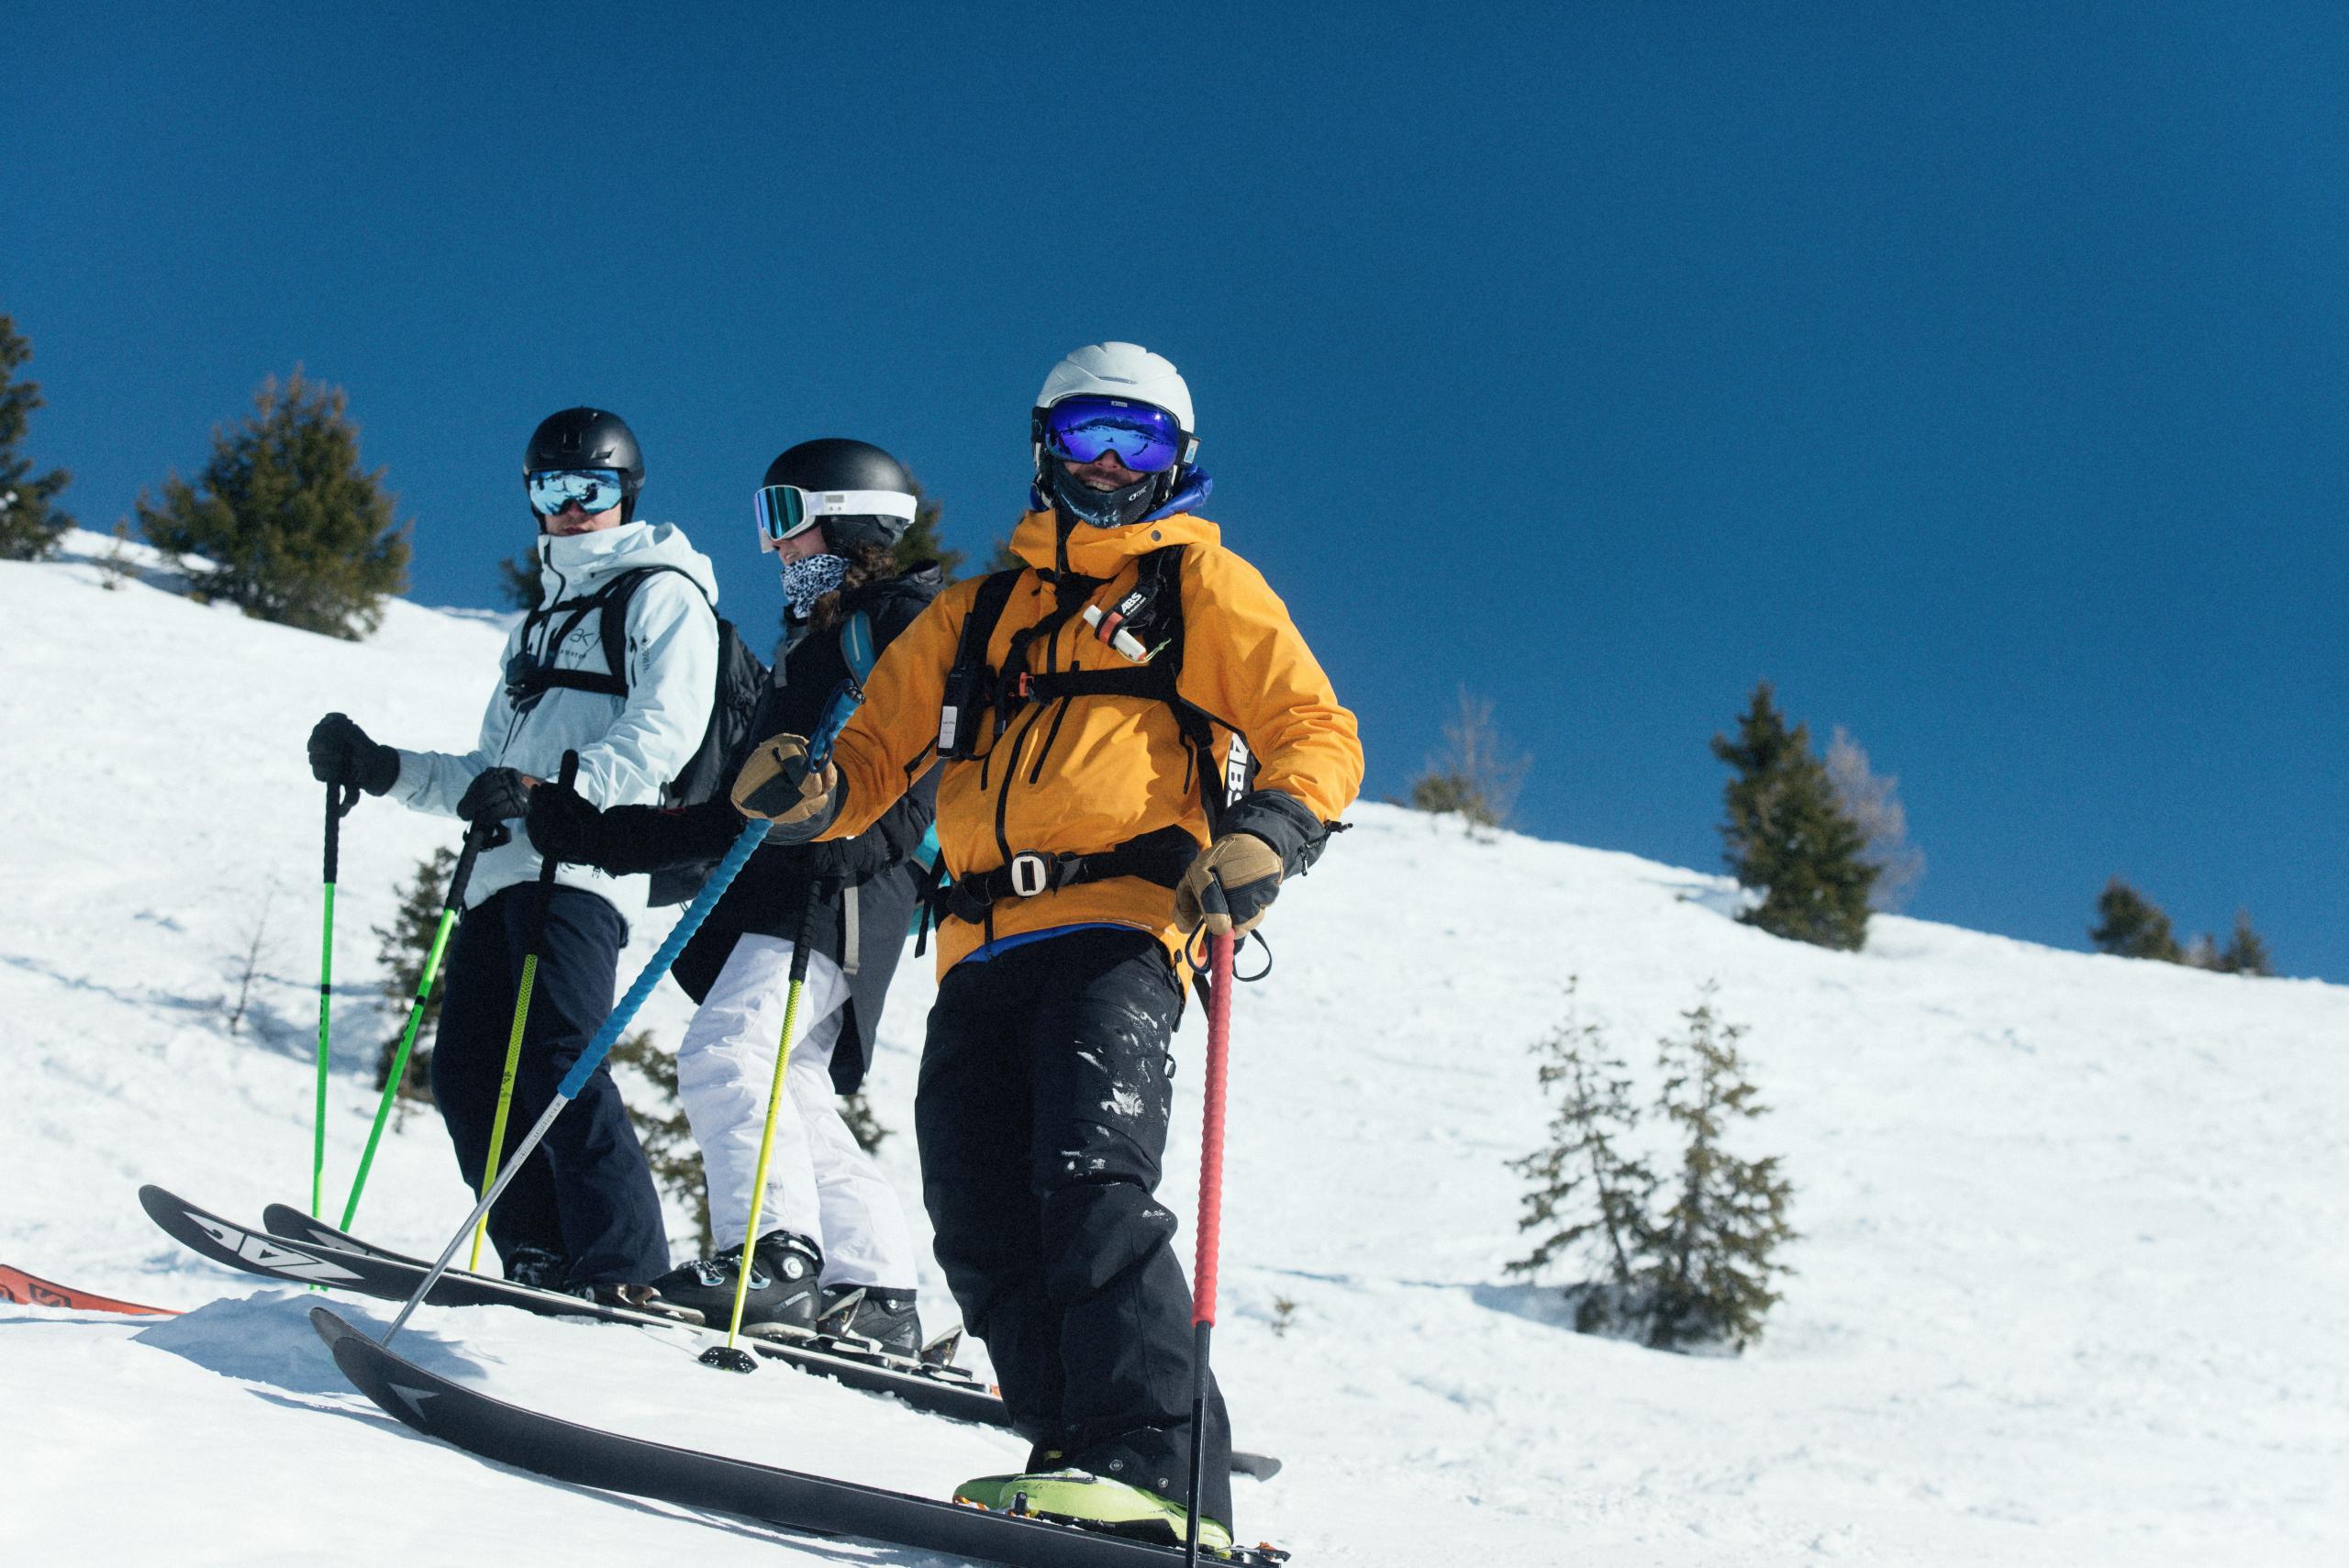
(921,542)
(664,1131)
(31,521)
(2130,924)
(2245,953)
(1709,1268)
(298,532)
(1589,1194)
(1788,837)
(402,948)
(518,581)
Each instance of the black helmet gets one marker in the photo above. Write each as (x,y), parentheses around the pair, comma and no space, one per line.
(588,437)
(836,464)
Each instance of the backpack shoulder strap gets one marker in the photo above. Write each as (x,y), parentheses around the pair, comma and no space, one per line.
(616,596)
(856,646)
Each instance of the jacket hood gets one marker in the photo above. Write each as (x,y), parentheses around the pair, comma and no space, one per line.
(572,564)
(1104,552)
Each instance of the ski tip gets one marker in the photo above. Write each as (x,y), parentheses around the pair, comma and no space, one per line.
(330,1327)
(725,1358)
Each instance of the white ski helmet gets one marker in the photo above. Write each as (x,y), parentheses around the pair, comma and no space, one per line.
(1120,370)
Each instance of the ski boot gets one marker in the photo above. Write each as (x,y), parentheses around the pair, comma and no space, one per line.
(537,1267)
(782,1300)
(1093,1502)
(873,1318)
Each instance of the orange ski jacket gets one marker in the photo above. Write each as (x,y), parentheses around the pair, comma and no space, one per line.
(1083,774)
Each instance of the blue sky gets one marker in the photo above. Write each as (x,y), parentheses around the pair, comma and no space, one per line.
(1972,373)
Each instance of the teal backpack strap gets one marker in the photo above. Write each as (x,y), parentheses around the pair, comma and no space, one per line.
(856,646)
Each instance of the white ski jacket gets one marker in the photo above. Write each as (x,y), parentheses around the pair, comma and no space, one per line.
(628,748)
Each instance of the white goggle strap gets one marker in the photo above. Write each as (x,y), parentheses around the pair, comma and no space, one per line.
(817,505)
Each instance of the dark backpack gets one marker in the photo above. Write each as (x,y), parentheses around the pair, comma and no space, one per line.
(734,702)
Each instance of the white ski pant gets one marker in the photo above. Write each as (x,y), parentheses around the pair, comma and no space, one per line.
(820,1183)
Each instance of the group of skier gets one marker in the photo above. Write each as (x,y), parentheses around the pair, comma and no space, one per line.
(1124,743)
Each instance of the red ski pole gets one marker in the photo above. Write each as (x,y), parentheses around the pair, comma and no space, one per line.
(1210,1216)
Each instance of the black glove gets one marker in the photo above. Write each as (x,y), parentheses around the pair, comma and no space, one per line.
(566,826)
(494,796)
(340,753)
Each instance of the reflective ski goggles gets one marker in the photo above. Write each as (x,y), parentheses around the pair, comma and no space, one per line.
(783,510)
(1143,437)
(595,489)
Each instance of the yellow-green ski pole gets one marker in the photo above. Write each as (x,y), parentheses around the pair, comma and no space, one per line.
(477,836)
(513,1038)
(728,1357)
(340,798)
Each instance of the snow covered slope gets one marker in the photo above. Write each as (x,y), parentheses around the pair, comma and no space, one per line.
(2071,1275)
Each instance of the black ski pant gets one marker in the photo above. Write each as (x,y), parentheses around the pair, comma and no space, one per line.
(585,1193)
(1042,1117)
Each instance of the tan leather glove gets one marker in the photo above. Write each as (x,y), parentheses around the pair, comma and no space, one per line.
(777,784)
(1244,871)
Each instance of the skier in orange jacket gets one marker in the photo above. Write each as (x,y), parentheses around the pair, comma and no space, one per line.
(1126,718)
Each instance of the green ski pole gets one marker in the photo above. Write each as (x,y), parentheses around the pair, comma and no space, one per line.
(340,798)
(514,1037)
(478,837)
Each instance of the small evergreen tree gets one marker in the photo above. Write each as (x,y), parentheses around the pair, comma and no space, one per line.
(1787,836)
(518,581)
(2130,924)
(402,948)
(661,1128)
(2245,953)
(31,521)
(299,533)
(1710,1266)
(1589,1194)
(921,542)
(1477,773)
(862,1125)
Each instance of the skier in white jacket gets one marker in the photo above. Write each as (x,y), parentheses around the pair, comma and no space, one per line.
(583,1215)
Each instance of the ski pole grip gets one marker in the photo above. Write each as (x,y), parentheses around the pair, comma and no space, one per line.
(754,833)
(334,835)
(1211,1126)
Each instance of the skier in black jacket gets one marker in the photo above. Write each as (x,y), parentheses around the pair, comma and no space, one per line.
(831,1224)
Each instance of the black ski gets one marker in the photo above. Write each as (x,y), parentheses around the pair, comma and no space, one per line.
(286,1221)
(583,1456)
(393,1278)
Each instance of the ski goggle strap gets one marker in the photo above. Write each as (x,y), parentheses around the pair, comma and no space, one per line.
(1145,438)
(783,510)
(595,489)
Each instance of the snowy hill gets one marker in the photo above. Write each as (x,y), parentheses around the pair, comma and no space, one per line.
(2070,1286)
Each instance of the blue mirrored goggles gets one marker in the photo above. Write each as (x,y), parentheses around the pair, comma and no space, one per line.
(1143,437)
(595,489)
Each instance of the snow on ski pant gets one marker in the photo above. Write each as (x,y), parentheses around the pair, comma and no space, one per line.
(820,1184)
(1041,1116)
(585,1193)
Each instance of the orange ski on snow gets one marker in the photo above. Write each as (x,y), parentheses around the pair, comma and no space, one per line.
(30,1290)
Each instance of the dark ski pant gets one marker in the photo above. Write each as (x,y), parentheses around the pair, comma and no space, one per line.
(1042,1117)
(585,1193)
